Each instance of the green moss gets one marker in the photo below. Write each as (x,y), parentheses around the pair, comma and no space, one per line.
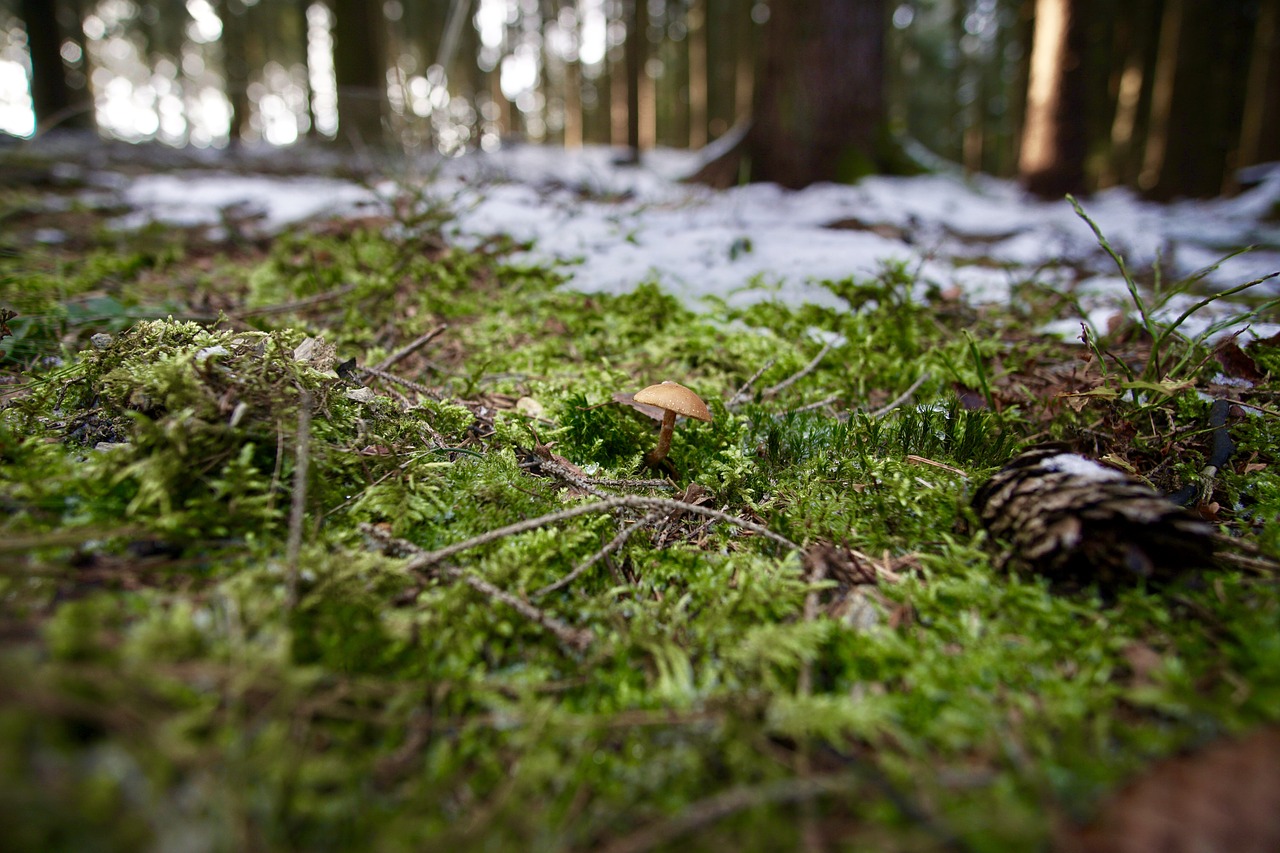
(160,682)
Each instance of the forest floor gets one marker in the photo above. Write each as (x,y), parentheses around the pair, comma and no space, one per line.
(338,535)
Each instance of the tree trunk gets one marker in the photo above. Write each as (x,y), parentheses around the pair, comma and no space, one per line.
(819,109)
(1199,102)
(1055,137)
(636,54)
(360,68)
(235,52)
(1260,131)
(56,103)
(698,74)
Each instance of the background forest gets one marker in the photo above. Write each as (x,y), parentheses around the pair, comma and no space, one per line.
(1166,96)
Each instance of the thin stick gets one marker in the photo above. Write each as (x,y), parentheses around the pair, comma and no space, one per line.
(298,510)
(634,501)
(741,393)
(1263,409)
(572,637)
(613,545)
(707,811)
(809,407)
(901,398)
(386,376)
(412,347)
(800,374)
(285,307)
(922,460)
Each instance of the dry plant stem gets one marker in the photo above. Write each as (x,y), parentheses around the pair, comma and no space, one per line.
(412,347)
(921,460)
(406,383)
(800,374)
(653,457)
(809,407)
(740,395)
(299,507)
(285,307)
(708,811)
(429,558)
(613,545)
(569,636)
(901,398)
(576,639)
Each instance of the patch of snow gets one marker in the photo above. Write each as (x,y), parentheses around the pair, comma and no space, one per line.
(1079,466)
(617,226)
(201,198)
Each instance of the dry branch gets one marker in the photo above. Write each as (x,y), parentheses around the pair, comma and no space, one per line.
(429,558)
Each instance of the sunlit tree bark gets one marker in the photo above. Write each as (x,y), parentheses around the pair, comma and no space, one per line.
(697,74)
(1054,138)
(640,106)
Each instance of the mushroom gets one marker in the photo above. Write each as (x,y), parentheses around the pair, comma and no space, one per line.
(674,399)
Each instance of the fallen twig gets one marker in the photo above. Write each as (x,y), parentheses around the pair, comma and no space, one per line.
(901,398)
(285,307)
(429,558)
(923,460)
(574,638)
(774,390)
(612,546)
(411,347)
(386,376)
(741,394)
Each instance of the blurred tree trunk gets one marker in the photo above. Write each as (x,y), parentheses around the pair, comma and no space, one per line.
(360,69)
(235,53)
(1133,66)
(304,26)
(1260,130)
(55,101)
(1055,135)
(698,74)
(635,55)
(819,106)
(1198,102)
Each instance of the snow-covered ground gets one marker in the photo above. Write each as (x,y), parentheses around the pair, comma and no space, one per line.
(619,226)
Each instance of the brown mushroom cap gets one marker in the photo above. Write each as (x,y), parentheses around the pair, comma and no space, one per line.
(676,398)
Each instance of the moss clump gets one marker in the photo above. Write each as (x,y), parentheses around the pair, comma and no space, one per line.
(204,648)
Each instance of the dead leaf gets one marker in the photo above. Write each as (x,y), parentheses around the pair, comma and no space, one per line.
(629,400)
(1235,362)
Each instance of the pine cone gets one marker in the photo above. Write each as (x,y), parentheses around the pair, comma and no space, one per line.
(1079,523)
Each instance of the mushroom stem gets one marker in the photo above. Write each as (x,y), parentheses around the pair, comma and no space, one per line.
(653,457)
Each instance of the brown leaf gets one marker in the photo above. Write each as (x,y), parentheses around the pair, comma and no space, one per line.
(1235,362)
(629,400)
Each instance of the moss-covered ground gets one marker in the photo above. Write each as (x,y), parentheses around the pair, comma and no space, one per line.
(233,616)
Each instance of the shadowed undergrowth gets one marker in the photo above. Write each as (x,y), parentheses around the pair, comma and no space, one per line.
(793,630)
